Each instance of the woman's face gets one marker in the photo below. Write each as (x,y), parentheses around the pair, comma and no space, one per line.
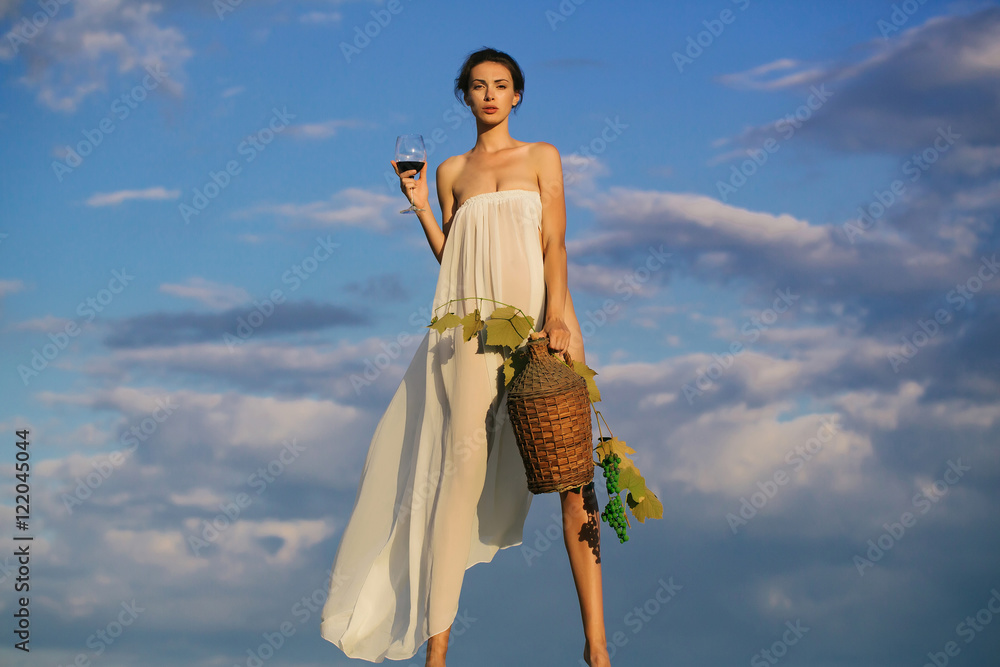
(491,93)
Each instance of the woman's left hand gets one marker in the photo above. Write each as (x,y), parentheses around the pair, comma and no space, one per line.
(558,333)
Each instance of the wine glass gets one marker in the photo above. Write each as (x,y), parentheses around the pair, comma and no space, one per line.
(410,154)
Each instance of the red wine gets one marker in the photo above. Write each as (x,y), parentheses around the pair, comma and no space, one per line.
(407,165)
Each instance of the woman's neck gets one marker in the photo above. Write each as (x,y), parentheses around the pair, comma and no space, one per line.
(493,139)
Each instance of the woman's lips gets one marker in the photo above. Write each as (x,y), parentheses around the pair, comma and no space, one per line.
(489,109)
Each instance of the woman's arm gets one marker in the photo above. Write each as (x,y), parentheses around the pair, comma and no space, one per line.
(548,166)
(445,178)
(416,191)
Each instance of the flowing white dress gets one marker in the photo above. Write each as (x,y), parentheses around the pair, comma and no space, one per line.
(443,486)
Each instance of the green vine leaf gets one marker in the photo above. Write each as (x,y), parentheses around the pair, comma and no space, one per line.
(616,446)
(588,373)
(513,365)
(649,507)
(630,478)
(504,312)
(471,325)
(448,321)
(504,328)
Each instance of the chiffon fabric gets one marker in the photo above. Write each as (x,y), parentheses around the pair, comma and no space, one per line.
(443,486)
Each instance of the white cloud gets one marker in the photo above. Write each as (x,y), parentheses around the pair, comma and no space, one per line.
(321,18)
(214,295)
(323,130)
(10,287)
(115,198)
(87,42)
(43,324)
(233,91)
(352,207)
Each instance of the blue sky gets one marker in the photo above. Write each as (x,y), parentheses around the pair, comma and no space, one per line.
(810,378)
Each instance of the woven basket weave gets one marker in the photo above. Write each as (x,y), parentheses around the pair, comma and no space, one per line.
(549,409)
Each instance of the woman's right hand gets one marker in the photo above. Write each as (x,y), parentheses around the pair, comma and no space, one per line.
(414,189)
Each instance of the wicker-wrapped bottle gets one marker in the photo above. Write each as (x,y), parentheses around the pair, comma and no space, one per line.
(549,409)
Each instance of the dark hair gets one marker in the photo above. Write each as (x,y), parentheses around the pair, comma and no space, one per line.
(487,55)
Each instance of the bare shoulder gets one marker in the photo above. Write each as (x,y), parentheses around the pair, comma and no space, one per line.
(448,171)
(451,166)
(543,151)
(547,163)
(545,159)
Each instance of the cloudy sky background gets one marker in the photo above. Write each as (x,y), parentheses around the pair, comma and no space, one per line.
(825,412)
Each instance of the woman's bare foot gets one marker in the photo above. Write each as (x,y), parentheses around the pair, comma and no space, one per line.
(596,657)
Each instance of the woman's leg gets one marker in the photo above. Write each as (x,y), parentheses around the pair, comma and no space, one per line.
(582,535)
(437,648)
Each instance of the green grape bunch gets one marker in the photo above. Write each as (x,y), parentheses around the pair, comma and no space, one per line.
(614,511)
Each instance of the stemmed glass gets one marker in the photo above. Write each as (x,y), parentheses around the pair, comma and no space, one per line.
(410,154)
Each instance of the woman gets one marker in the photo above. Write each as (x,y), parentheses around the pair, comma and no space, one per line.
(443,449)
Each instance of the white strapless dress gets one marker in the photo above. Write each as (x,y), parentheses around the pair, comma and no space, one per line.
(443,486)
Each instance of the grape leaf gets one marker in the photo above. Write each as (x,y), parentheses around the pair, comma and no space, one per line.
(471,324)
(506,330)
(649,507)
(513,365)
(588,374)
(629,478)
(504,312)
(616,446)
(448,321)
